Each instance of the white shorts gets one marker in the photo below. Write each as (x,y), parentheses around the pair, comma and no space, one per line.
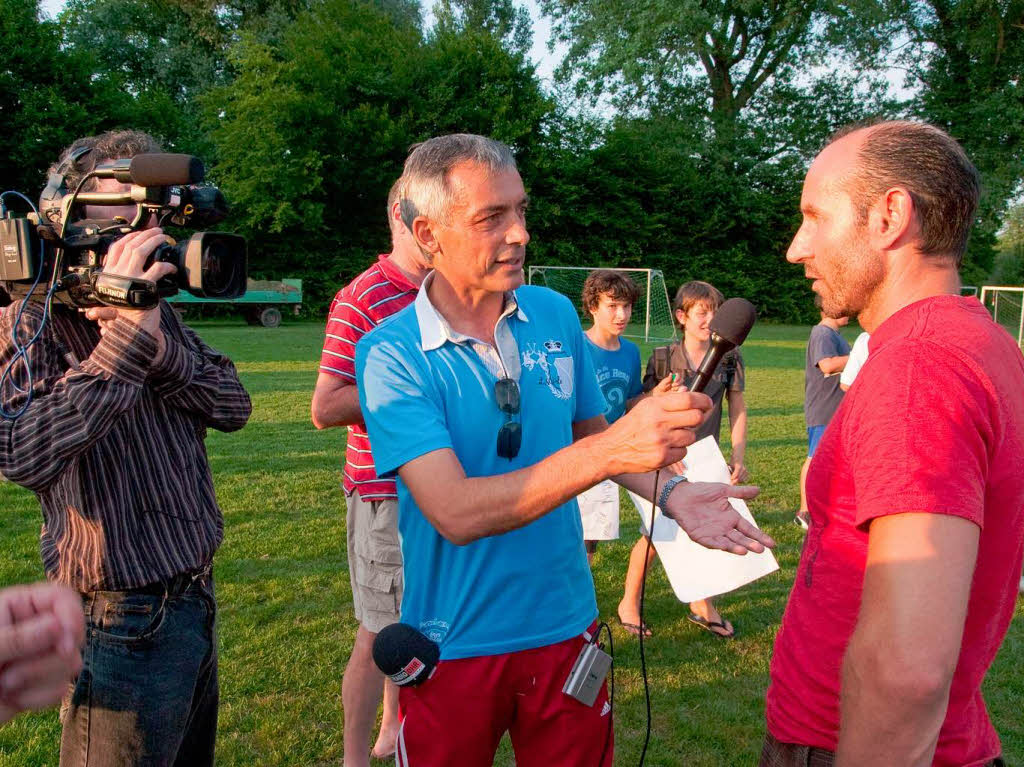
(599,509)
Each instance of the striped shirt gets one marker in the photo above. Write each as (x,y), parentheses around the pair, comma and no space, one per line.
(359,307)
(115,449)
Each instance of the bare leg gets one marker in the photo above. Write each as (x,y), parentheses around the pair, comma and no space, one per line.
(629,607)
(385,745)
(361,690)
(803,485)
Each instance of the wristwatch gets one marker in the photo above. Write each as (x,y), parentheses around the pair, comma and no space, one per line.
(667,489)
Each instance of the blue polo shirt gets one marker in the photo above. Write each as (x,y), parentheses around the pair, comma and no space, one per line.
(618,375)
(424,387)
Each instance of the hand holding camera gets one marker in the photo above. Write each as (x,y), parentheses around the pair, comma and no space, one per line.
(128,258)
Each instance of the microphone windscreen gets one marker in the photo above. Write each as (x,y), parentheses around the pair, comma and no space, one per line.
(166,169)
(404,654)
(733,320)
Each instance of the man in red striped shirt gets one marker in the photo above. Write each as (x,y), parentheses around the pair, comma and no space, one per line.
(374,556)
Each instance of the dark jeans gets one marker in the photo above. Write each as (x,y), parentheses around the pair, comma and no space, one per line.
(147,693)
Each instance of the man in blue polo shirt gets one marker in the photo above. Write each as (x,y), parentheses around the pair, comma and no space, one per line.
(483,400)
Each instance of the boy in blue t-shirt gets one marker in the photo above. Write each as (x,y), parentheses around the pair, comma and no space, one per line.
(608,296)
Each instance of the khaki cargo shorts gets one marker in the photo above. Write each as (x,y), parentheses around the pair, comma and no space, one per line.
(374,561)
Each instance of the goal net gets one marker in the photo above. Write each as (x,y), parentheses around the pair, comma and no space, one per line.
(652,314)
(1006,305)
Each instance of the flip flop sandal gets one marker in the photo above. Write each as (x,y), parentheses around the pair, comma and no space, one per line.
(710,626)
(634,629)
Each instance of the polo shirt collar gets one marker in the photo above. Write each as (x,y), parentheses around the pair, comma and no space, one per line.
(434,328)
(393,274)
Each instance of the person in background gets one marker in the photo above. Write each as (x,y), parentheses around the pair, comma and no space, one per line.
(608,297)
(374,555)
(827,353)
(695,305)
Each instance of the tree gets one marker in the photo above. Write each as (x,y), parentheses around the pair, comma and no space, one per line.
(47,98)
(642,199)
(1009,258)
(314,129)
(722,62)
(967,58)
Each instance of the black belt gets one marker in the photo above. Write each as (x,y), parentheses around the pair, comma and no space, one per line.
(176,585)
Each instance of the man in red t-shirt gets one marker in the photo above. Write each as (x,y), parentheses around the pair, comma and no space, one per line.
(908,577)
(374,555)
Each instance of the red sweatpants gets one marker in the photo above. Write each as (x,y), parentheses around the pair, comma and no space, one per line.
(458,716)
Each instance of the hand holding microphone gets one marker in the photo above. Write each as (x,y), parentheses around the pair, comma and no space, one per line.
(655,433)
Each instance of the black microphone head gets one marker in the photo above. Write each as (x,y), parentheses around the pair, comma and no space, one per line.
(405,655)
(733,320)
(166,169)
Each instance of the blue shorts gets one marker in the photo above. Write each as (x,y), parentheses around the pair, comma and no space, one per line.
(813,438)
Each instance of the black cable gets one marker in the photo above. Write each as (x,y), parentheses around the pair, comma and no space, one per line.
(643,626)
(21,349)
(611,691)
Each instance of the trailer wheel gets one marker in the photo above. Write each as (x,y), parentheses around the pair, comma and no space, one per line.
(270,317)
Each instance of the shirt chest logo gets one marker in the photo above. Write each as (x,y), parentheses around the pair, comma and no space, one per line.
(554,366)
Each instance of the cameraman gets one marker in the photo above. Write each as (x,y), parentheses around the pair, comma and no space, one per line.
(113,446)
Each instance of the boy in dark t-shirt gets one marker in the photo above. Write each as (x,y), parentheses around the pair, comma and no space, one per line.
(695,306)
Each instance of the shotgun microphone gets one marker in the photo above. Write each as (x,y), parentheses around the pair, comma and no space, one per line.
(154,170)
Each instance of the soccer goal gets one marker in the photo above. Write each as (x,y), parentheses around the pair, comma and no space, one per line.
(652,315)
(1006,305)
(969,290)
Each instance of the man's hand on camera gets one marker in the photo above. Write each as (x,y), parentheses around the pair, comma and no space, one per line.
(127,257)
(703,510)
(655,433)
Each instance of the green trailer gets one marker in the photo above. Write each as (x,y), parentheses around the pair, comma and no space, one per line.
(261,303)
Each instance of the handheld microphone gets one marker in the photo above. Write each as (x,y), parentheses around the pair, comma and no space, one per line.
(154,170)
(729,328)
(406,656)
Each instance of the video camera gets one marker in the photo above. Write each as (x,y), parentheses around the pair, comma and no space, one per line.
(70,252)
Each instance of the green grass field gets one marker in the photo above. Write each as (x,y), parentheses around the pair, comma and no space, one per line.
(286,623)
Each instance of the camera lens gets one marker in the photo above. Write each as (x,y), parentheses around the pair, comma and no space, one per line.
(219,266)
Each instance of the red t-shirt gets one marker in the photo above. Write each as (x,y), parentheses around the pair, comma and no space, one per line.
(933,423)
(360,306)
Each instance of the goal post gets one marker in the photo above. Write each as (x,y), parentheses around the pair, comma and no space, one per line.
(1006,305)
(652,318)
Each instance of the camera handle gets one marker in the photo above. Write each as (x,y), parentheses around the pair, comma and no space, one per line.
(125,292)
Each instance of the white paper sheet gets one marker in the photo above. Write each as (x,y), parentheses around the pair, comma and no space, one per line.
(694,571)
